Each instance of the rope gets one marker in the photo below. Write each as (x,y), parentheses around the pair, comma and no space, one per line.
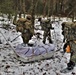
(15,38)
(8,43)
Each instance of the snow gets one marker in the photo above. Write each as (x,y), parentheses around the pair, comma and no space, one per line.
(9,65)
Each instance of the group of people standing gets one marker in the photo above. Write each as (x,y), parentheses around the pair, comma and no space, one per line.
(69,31)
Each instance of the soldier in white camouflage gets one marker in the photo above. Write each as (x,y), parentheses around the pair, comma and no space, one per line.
(69,32)
(46,26)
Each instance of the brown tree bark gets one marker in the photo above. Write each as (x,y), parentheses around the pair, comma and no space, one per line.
(44,11)
(24,8)
(33,11)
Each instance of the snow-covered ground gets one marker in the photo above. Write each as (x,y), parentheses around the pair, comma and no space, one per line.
(9,65)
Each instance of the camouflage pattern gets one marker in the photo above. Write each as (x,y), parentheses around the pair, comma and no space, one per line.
(69,29)
(25,27)
(73,49)
(46,26)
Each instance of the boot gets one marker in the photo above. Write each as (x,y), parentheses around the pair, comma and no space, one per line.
(44,41)
(70,65)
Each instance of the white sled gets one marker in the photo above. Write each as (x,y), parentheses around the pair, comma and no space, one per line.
(37,53)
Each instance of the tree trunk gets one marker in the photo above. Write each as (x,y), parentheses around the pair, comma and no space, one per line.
(14,20)
(20,8)
(24,10)
(33,12)
(44,11)
(36,6)
(73,16)
(49,8)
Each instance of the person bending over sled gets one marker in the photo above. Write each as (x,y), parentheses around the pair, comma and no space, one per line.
(25,27)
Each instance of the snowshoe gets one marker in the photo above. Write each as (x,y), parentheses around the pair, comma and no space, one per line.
(70,65)
(67,70)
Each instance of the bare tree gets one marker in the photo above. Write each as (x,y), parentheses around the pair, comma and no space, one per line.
(33,11)
(24,7)
(45,4)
